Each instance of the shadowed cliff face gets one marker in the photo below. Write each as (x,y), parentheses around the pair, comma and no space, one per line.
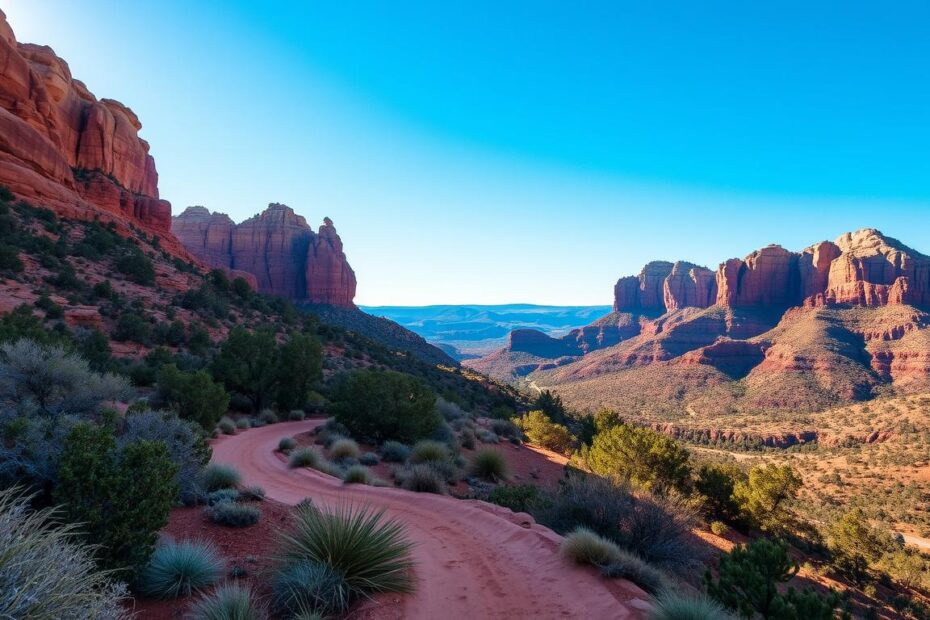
(277,248)
(63,148)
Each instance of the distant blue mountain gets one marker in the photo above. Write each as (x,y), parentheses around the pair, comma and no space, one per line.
(472,330)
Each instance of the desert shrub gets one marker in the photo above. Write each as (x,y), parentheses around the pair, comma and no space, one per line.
(630,567)
(132,328)
(243,424)
(268,416)
(488,464)
(222,495)
(186,445)
(9,258)
(233,514)
(519,498)
(47,380)
(344,449)
(217,476)
(656,530)
(715,483)
(228,602)
(195,396)
(383,405)
(486,436)
(46,573)
(671,606)
(428,451)
(765,496)
(286,444)
(121,496)
(246,363)
(448,410)
(748,578)
(395,452)
(226,426)
(296,415)
(252,494)
(369,459)
(299,366)
(468,439)
(583,546)
(308,586)
(179,569)
(421,479)
(137,267)
(505,428)
(304,457)
(719,528)
(372,554)
(357,474)
(641,456)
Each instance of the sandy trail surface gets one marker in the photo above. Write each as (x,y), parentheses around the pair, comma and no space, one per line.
(473,559)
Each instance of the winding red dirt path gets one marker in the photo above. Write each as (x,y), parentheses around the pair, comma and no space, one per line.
(473,559)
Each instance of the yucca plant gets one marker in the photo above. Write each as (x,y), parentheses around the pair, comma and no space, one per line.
(228,602)
(45,572)
(676,607)
(179,569)
(371,553)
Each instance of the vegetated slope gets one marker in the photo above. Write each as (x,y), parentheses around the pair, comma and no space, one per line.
(776,332)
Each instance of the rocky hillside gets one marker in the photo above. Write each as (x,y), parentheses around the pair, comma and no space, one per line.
(277,248)
(835,323)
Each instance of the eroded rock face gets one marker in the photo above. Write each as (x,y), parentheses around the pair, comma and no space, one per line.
(664,287)
(645,291)
(767,277)
(689,285)
(62,148)
(277,247)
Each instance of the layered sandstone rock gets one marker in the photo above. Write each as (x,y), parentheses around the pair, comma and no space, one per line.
(277,247)
(767,277)
(62,148)
(689,285)
(645,291)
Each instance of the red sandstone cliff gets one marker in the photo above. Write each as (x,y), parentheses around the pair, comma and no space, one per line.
(277,247)
(63,148)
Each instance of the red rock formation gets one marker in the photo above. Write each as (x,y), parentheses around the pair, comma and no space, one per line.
(767,277)
(814,267)
(645,291)
(62,148)
(689,285)
(277,247)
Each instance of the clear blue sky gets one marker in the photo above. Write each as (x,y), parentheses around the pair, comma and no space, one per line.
(523,152)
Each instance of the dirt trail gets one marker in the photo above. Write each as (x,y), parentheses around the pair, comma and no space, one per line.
(473,560)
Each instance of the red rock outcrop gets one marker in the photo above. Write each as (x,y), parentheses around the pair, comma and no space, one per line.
(62,148)
(645,291)
(277,247)
(767,277)
(689,285)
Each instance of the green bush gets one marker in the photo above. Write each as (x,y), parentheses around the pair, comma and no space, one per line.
(252,494)
(46,573)
(268,416)
(369,459)
(305,457)
(195,396)
(137,267)
(286,444)
(296,415)
(488,464)
(222,495)
(307,586)
(765,496)
(519,498)
(628,566)
(671,606)
(217,476)
(386,405)
(344,449)
(121,496)
(228,602)
(9,259)
(429,451)
(395,452)
(233,514)
(421,479)
(226,426)
(642,456)
(372,554)
(357,474)
(299,366)
(583,546)
(133,328)
(243,424)
(715,482)
(179,569)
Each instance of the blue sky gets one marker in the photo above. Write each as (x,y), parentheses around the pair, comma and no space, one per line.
(490,152)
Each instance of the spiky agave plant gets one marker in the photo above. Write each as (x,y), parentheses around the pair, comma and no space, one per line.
(370,552)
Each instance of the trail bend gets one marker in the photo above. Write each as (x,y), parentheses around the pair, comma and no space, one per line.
(473,559)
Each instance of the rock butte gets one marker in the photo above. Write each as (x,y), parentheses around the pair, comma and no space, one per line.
(276,250)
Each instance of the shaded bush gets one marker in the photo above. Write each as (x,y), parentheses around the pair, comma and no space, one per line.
(226,426)
(216,476)
(228,602)
(357,474)
(233,514)
(305,457)
(137,267)
(582,546)
(519,498)
(672,606)
(308,586)
(630,567)
(542,431)
(195,396)
(395,452)
(421,479)
(428,451)
(285,444)
(344,449)
(179,569)
(369,459)
(488,464)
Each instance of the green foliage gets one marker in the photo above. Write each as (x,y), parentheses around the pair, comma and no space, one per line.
(299,366)
(422,479)
(228,602)
(195,396)
(216,476)
(764,497)
(286,444)
(747,583)
(429,451)
(247,364)
(519,498)
(488,464)
(357,474)
(305,457)
(715,482)
(46,573)
(632,568)
(9,259)
(672,606)
(542,431)
(120,496)
(582,546)
(641,456)
(551,405)
(241,288)
(386,405)
(372,554)
(395,452)
(226,426)
(856,545)
(308,586)
(133,328)
(137,267)
(344,449)
(179,569)
(233,514)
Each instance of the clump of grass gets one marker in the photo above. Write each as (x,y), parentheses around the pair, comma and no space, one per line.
(179,569)
(421,479)
(243,424)
(468,439)
(286,444)
(296,415)
(488,464)
(216,476)
(226,426)
(252,494)
(268,416)
(628,566)
(719,528)
(486,436)
(372,554)
(369,459)
(428,451)
(222,495)
(585,547)
(309,587)
(357,474)
(305,457)
(344,449)
(672,606)
(228,602)
(233,514)
(395,452)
